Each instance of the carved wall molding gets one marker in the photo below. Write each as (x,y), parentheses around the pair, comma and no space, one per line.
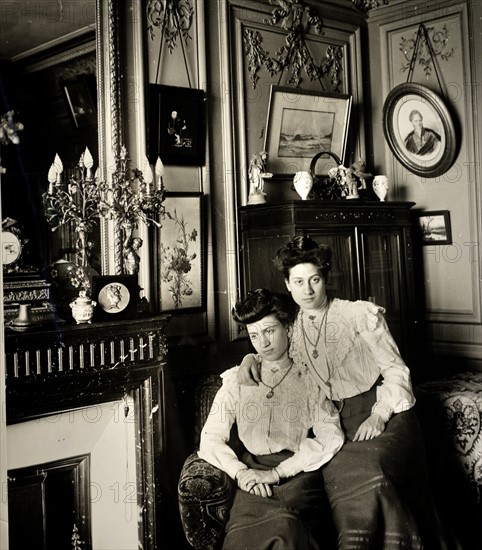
(367,5)
(110,123)
(77,54)
(174,19)
(294,56)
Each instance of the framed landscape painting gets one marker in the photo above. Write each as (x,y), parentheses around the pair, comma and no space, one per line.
(301,124)
(435,227)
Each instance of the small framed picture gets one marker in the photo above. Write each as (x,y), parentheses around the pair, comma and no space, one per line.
(435,227)
(419,130)
(181,278)
(177,125)
(116,296)
(80,99)
(302,124)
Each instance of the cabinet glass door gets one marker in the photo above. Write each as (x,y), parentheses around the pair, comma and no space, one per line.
(342,280)
(382,271)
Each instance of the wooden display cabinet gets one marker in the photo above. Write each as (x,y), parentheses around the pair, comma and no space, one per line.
(372,253)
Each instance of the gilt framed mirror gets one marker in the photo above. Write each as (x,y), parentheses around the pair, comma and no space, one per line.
(92,50)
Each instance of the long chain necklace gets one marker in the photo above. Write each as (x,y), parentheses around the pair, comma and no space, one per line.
(270,394)
(306,338)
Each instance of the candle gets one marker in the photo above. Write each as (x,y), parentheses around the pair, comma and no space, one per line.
(159,172)
(52,177)
(88,162)
(147,174)
(59,167)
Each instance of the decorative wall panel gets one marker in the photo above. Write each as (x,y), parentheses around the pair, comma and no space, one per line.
(294,45)
(452,271)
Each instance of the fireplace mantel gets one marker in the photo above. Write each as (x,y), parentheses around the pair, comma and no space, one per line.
(55,369)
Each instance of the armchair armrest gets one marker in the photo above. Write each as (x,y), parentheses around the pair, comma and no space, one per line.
(205,497)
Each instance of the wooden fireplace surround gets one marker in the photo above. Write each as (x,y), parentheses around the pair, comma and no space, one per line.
(60,368)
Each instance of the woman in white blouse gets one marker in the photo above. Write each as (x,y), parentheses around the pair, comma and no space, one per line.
(289,429)
(378,484)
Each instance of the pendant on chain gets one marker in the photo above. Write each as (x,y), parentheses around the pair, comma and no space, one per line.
(315,354)
(270,394)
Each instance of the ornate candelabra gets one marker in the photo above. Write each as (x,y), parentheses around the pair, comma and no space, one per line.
(128,198)
(133,195)
(77,203)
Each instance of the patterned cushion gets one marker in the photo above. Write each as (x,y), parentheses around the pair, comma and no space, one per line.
(205,497)
(204,398)
(456,402)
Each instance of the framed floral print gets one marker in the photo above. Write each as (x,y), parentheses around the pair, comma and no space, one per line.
(301,124)
(180,252)
(419,130)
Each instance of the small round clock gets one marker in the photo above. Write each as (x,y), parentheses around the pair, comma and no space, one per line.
(11,249)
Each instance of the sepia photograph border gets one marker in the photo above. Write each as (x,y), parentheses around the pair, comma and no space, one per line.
(400,102)
(315,107)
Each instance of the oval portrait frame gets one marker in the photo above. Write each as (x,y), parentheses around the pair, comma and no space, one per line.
(439,151)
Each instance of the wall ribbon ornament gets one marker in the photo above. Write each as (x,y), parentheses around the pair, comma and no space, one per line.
(296,18)
(423,49)
(174,18)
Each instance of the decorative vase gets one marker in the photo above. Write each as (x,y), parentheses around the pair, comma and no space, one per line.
(380,187)
(63,292)
(83,308)
(303,182)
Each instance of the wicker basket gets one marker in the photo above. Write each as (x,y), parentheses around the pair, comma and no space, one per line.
(323,187)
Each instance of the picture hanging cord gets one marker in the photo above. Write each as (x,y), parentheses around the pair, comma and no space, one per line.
(178,29)
(422,30)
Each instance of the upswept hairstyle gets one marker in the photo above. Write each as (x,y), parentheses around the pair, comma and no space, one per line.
(303,250)
(260,303)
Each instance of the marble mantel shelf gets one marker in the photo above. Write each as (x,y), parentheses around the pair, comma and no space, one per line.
(52,369)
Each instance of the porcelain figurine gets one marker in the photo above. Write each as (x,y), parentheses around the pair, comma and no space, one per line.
(257,173)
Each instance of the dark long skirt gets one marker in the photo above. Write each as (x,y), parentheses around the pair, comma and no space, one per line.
(296,517)
(379,490)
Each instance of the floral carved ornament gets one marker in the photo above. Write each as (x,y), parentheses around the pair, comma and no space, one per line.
(297,19)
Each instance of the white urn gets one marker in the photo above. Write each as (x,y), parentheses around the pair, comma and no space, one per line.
(83,308)
(380,186)
(303,182)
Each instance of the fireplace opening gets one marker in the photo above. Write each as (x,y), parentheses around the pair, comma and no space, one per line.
(49,505)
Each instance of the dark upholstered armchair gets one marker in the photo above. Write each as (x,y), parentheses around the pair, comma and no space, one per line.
(205,492)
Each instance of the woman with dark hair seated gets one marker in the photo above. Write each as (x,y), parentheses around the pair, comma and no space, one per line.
(377,485)
(289,429)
